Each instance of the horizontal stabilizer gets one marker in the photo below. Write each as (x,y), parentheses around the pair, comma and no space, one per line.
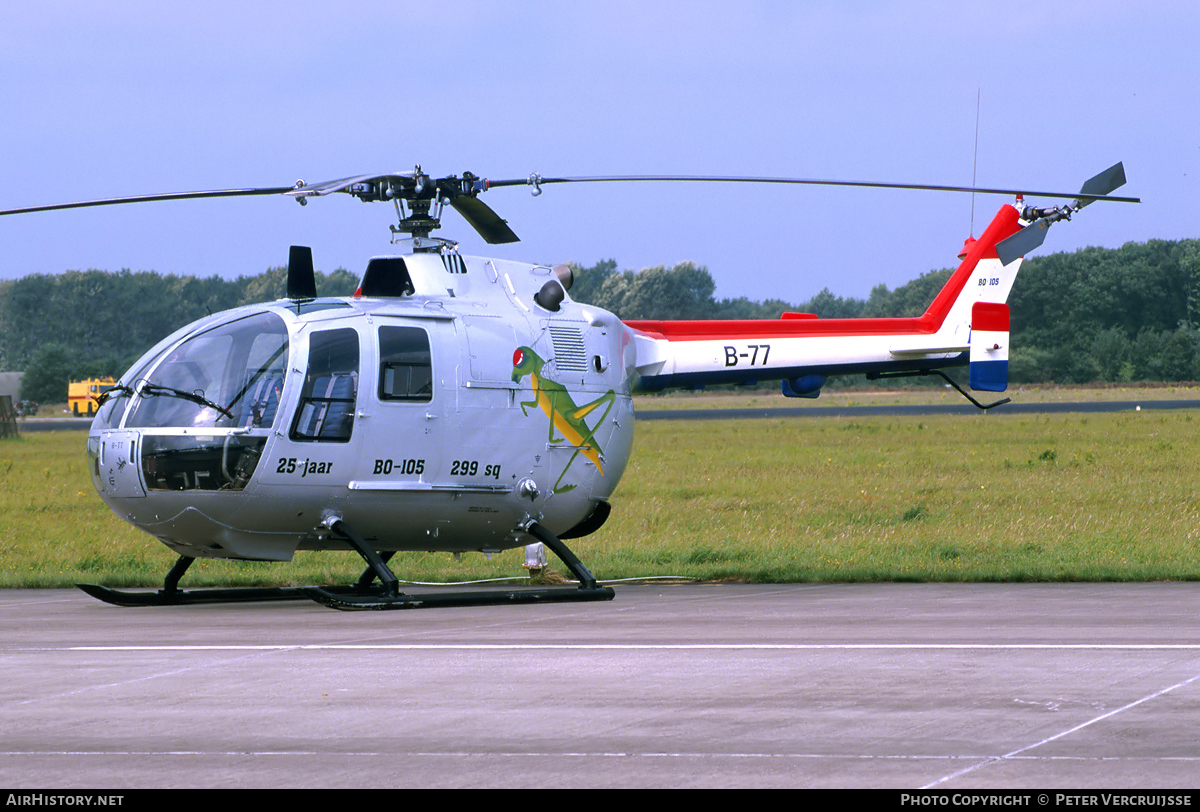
(926,351)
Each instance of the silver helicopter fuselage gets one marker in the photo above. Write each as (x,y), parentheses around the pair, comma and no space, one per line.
(444,415)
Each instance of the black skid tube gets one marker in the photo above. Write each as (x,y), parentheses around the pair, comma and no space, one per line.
(377,588)
(186,597)
(172,595)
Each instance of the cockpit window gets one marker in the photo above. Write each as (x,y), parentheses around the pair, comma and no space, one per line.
(326,410)
(230,376)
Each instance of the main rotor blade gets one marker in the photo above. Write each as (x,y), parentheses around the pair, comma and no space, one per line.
(113,201)
(480,217)
(537,180)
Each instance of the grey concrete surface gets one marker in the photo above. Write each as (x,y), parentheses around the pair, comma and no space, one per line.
(881,685)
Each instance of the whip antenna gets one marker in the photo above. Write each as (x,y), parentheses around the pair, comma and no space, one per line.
(975,161)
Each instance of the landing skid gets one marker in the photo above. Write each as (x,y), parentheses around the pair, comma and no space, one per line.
(183,597)
(377,599)
(366,594)
(172,595)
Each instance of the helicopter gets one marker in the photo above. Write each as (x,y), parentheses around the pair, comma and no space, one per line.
(458,403)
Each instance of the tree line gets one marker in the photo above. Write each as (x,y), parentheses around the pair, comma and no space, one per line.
(1094,315)
(1107,315)
(81,324)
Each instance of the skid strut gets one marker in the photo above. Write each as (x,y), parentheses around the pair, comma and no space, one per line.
(376,588)
(386,595)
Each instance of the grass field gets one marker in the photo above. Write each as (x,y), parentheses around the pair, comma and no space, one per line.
(983,497)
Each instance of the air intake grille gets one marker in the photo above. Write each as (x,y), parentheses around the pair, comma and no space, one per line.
(570,353)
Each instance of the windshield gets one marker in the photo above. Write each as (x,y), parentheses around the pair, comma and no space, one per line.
(230,376)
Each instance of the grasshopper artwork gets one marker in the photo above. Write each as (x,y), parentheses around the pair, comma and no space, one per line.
(564,414)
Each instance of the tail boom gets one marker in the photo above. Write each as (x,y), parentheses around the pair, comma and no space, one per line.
(674,354)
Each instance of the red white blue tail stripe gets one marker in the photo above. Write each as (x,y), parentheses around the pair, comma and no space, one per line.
(989,347)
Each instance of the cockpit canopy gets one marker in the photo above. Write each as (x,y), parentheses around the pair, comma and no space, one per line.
(227,376)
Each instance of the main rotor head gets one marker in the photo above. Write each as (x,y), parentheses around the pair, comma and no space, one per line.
(419,200)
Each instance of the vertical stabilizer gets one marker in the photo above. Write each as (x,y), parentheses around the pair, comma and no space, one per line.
(989,347)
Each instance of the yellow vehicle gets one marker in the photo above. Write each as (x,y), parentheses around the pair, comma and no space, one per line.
(81,395)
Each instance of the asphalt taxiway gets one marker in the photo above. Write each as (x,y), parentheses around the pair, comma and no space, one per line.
(693,685)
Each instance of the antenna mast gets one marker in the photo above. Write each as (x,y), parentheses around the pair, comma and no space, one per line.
(975,161)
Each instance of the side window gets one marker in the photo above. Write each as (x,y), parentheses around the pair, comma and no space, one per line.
(405,369)
(326,410)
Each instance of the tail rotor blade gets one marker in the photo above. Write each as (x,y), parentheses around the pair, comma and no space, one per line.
(1031,237)
(1107,181)
(1021,243)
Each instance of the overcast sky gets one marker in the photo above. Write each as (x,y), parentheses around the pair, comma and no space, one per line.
(128,97)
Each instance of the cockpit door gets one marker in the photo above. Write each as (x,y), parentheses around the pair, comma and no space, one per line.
(328,400)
